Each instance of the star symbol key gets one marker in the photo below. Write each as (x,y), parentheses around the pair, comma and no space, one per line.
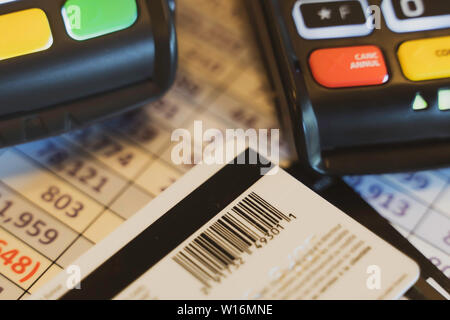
(324,13)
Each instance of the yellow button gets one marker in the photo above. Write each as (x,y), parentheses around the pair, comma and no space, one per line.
(425,59)
(24,32)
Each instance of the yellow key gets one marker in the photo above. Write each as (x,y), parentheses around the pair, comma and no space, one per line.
(24,32)
(425,59)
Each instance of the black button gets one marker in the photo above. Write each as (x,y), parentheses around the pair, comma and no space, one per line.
(407,9)
(336,13)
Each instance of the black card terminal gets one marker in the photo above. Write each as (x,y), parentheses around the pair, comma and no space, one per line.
(363,85)
(67,63)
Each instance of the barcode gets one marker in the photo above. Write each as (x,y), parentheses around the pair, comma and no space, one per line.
(249,225)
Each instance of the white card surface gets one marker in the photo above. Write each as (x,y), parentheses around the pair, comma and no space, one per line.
(276,240)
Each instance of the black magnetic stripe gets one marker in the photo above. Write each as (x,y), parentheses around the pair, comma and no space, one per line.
(167,233)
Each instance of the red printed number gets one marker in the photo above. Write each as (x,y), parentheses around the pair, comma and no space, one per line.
(19,264)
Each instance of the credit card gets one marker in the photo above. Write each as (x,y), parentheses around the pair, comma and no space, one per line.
(229,232)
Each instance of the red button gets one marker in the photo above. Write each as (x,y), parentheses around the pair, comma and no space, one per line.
(349,67)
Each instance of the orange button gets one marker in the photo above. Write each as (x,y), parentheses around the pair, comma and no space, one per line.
(349,67)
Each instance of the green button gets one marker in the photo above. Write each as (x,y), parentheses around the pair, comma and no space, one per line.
(87,19)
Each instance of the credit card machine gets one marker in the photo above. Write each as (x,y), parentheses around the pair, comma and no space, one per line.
(363,85)
(67,63)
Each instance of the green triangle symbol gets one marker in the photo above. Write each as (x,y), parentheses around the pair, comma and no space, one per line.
(419,103)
